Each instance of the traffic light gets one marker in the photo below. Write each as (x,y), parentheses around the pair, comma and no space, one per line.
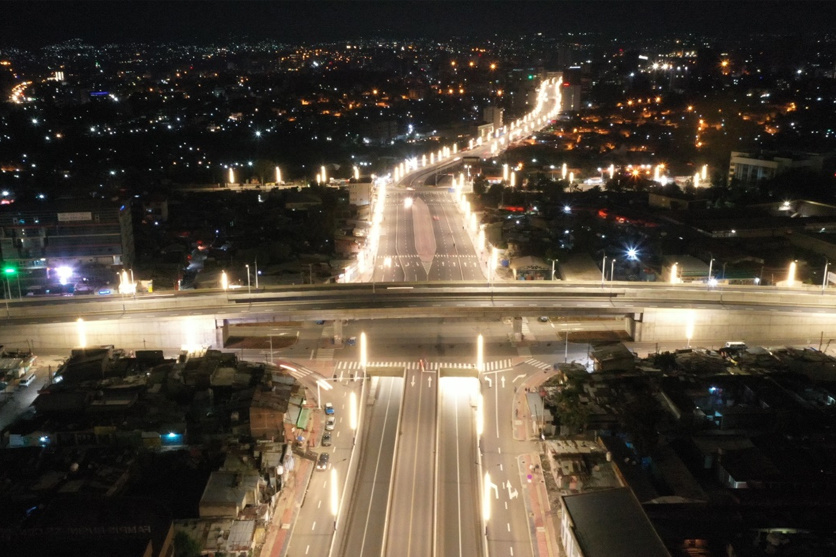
(9,271)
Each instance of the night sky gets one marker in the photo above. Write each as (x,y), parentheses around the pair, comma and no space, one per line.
(33,23)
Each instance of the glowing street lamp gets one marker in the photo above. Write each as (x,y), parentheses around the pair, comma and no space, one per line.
(335,498)
(231,176)
(82,334)
(278,175)
(352,411)
(363,352)
(322,174)
(224,280)
(10,272)
(480,353)
(486,499)
(674,278)
(791,274)
(689,328)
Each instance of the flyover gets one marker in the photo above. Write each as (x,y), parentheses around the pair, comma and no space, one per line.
(651,312)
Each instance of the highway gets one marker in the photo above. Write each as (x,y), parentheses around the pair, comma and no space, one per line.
(458,525)
(410,520)
(363,534)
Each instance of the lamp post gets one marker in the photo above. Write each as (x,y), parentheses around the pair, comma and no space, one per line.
(603,270)
(710,267)
(256,273)
(612,269)
(249,291)
(824,279)
(9,272)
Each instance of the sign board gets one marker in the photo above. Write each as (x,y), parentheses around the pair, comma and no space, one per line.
(831,277)
(69,217)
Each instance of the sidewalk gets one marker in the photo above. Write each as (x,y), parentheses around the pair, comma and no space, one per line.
(290,500)
(543,520)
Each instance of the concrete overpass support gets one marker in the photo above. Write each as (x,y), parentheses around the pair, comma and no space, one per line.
(170,335)
(338,331)
(711,328)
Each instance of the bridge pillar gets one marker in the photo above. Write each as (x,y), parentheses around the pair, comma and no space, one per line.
(517,328)
(338,330)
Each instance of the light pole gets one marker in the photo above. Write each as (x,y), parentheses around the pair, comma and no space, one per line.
(249,291)
(256,273)
(603,270)
(710,267)
(612,269)
(824,280)
(8,272)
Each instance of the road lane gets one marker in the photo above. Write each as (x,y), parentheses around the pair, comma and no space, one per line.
(458,520)
(364,531)
(508,528)
(410,528)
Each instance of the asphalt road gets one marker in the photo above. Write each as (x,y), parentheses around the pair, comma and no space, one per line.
(364,528)
(314,525)
(508,527)
(458,519)
(412,507)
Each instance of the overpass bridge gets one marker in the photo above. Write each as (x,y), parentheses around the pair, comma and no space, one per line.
(650,312)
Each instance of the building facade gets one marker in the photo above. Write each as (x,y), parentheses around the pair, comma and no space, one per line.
(52,243)
(750,168)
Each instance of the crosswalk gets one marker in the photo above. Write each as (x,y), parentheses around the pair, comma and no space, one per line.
(442,259)
(496,365)
(538,364)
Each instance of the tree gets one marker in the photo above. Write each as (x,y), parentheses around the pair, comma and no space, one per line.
(185,545)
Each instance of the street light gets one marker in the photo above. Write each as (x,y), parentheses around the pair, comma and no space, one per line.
(710,267)
(612,269)
(480,353)
(791,274)
(224,280)
(9,272)
(363,353)
(319,383)
(248,278)
(603,270)
(824,279)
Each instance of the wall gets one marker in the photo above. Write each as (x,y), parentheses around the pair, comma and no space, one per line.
(713,327)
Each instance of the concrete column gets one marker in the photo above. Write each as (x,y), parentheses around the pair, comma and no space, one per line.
(338,330)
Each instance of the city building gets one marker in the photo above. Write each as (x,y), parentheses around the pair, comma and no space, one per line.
(750,168)
(607,523)
(65,242)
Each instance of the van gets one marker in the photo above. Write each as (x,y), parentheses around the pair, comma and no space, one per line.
(26,381)
(736,345)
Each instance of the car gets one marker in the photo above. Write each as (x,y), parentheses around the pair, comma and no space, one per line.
(323,461)
(330,423)
(352,341)
(329,409)
(326,439)
(543,319)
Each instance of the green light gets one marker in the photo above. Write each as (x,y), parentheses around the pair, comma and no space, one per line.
(9,271)
(530,76)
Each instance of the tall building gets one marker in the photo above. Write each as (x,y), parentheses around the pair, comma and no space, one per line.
(66,241)
(749,168)
(493,115)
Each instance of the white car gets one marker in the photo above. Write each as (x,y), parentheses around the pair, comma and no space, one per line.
(330,423)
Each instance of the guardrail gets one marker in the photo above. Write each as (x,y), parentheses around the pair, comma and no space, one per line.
(389,299)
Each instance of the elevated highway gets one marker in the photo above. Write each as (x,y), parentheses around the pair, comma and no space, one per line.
(651,312)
